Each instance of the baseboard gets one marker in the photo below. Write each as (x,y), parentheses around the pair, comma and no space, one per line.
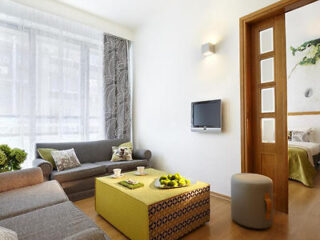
(221,196)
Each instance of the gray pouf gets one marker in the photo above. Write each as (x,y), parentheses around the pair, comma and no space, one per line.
(251,200)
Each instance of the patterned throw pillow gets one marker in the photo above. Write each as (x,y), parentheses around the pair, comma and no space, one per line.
(122,152)
(65,159)
(301,136)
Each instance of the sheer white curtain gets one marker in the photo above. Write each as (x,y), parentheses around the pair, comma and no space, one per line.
(51,79)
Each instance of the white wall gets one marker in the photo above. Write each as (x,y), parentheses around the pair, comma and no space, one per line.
(171,73)
(66,11)
(302,25)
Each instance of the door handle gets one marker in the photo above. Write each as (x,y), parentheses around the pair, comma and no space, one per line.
(268,202)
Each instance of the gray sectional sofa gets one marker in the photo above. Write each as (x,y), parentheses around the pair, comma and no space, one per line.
(38,210)
(94,156)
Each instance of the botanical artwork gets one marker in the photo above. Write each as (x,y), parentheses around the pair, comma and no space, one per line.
(303,61)
(312,53)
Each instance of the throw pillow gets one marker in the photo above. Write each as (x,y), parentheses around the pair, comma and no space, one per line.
(45,153)
(301,135)
(65,159)
(8,234)
(127,144)
(122,152)
(289,135)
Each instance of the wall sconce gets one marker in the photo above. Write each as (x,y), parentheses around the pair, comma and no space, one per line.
(207,49)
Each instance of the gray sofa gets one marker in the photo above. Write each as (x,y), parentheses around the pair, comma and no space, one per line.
(94,156)
(38,210)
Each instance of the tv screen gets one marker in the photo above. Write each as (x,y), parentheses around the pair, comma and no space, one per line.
(206,114)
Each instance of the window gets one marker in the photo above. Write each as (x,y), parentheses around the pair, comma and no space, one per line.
(51,81)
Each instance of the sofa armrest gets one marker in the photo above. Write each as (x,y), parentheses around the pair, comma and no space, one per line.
(142,154)
(45,166)
(20,179)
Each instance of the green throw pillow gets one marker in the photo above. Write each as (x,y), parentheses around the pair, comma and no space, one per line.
(45,153)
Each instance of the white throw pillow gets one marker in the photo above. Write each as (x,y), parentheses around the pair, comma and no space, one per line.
(7,234)
(65,159)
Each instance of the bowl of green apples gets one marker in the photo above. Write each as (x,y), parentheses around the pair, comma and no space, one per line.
(172,181)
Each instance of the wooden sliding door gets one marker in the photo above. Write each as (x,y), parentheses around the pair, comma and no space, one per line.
(269,122)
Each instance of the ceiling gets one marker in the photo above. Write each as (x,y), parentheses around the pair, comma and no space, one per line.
(129,13)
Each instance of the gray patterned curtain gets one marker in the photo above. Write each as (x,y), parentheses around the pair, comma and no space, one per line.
(117,88)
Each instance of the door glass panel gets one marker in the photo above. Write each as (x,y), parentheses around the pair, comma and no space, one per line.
(267,70)
(266,40)
(268,130)
(267,100)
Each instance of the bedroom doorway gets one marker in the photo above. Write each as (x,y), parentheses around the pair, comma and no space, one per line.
(303,99)
(263,74)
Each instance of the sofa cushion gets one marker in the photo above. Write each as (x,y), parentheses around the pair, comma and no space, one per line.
(124,165)
(88,234)
(7,234)
(19,179)
(22,200)
(50,223)
(84,171)
(79,185)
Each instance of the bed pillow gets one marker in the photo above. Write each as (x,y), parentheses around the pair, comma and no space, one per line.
(301,136)
(65,159)
(289,135)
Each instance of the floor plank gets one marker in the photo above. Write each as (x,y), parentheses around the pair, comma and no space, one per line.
(302,223)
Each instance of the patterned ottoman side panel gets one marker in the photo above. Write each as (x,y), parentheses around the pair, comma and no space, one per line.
(175,217)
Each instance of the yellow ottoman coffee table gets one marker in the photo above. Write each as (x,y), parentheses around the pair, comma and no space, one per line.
(152,213)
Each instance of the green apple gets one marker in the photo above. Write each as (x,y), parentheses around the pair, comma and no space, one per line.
(188,182)
(166,181)
(182,182)
(177,176)
(164,177)
(171,183)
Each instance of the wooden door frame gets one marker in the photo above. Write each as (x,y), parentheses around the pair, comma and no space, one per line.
(273,10)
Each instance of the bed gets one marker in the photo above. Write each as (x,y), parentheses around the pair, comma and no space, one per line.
(303,161)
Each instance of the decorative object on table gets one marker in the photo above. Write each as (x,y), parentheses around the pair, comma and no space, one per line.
(117,173)
(311,57)
(11,159)
(140,171)
(172,181)
(131,184)
(65,159)
(122,152)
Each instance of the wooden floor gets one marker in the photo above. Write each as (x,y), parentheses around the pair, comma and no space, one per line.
(302,223)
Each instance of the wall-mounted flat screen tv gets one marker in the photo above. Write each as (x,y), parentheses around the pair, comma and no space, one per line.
(206,115)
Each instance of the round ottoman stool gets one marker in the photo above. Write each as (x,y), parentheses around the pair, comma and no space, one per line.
(251,203)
